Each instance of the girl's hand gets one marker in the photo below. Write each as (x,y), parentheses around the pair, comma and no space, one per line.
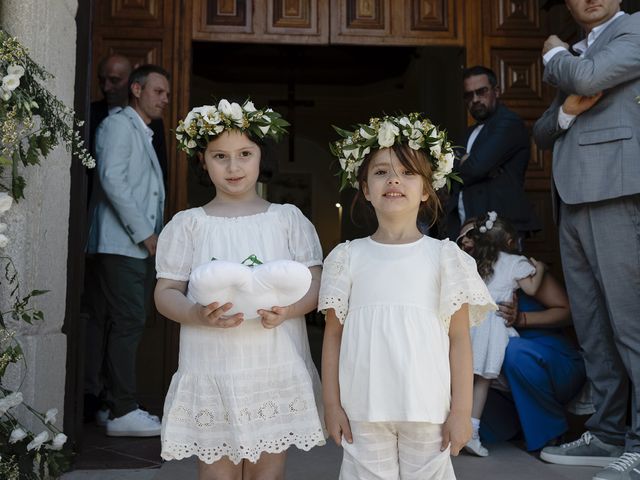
(338,424)
(213,315)
(540,266)
(456,431)
(274,317)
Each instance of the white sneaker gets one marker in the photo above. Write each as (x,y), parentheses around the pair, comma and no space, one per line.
(102,416)
(137,423)
(474,447)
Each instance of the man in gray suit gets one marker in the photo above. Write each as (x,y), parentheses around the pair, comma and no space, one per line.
(127,217)
(593,126)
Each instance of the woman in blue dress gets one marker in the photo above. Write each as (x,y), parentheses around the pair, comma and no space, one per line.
(542,367)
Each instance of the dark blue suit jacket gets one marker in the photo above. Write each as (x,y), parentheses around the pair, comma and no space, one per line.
(493,174)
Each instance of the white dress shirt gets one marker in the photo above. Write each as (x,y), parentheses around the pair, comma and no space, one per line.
(472,138)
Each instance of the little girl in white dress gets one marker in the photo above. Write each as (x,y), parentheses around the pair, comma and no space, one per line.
(495,251)
(246,388)
(396,366)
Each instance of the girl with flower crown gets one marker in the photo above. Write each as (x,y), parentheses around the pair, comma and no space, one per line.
(246,388)
(495,249)
(396,360)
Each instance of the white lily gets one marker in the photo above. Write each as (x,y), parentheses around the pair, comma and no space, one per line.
(37,442)
(50,416)
(16,435)
(12,400)
(58,442)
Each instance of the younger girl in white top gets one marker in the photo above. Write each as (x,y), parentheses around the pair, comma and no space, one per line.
(504,271)
(397,374)
(246,388)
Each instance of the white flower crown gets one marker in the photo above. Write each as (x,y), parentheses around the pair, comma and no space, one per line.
(488,225)
(414,129)
(203,124)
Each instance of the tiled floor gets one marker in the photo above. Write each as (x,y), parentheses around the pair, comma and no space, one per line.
(101,452)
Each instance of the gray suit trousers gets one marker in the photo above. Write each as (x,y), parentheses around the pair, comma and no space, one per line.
(600,247)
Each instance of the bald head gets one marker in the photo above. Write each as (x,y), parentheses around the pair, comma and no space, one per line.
(113,77)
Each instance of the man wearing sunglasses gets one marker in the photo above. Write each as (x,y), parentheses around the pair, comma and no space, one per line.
(494,163)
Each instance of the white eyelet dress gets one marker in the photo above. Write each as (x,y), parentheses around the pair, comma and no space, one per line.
(240,391)
(489,340)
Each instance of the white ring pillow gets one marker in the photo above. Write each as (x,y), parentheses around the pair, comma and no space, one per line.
(279,283)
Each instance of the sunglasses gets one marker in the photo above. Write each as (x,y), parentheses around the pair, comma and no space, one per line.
(479,92)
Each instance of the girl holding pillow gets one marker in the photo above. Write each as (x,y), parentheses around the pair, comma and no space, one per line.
(246,388)
(396,361)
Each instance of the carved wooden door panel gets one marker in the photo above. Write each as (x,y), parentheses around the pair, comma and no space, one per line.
(255,21)
(406,22)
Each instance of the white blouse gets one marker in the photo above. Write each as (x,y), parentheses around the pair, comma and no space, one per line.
(396,302)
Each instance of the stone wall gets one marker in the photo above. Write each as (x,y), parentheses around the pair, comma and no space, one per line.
(38,224)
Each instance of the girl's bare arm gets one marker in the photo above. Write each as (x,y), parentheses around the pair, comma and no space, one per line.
(335,418)
(457,429)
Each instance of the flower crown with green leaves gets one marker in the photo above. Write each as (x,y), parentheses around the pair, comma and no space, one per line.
(203,124)
(414,129)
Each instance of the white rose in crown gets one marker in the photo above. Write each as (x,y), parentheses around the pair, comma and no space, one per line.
(279,283)
(387,134)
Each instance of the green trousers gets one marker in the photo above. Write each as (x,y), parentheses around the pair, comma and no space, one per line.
(126,287)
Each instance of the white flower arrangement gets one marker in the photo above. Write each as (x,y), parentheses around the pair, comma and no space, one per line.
(32,120)
(22,453)
(203,124)
(414,129)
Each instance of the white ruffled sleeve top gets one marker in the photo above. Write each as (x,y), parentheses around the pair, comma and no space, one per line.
(396,302)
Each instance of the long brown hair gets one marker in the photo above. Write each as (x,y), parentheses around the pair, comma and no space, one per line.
(501,237)
(416,162)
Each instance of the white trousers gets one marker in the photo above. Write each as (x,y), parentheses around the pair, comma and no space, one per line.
(395,451)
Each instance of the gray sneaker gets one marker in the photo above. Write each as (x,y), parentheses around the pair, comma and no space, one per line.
(587,450)
(627,467)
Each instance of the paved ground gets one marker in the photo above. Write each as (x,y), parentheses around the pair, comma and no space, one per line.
(506,462)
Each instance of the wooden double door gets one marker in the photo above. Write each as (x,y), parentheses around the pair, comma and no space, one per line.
(506,35)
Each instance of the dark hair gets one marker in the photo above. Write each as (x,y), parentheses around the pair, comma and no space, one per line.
(140,74)
(480,70)
(268,167)
(416,162)
(501,237)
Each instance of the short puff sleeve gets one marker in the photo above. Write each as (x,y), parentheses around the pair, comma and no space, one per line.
(521,268)
(460,283)
(174,252)
(304,243)
(335,285)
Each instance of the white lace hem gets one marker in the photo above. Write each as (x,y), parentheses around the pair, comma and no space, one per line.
(460,284)
(237,453)
(480,304)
